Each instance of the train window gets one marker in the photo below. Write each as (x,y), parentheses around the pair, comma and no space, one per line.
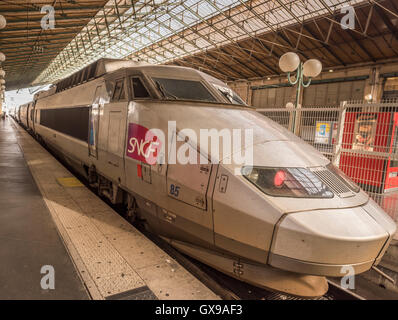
(68,82)
(118,92)
(178,89)
(139,89)
(122,94)
(84,76)
(70,121)
(73,82)
(92,69)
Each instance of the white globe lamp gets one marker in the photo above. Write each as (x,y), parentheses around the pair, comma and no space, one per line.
(3,22)
(289,62)
(289,105)
(312,68)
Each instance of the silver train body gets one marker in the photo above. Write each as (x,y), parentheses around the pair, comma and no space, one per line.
(230,221)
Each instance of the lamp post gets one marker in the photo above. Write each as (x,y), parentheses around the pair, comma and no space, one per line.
(289,63)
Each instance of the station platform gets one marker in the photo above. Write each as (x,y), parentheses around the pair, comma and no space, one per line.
(28,235)
(47,217)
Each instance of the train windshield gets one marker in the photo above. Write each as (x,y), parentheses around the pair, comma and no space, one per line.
(179,89)
(229,94)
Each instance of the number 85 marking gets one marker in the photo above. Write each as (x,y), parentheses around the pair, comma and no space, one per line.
(174,190)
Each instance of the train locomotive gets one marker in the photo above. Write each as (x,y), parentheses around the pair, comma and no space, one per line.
(284,222)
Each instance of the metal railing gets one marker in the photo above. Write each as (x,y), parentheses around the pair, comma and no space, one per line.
(360,138)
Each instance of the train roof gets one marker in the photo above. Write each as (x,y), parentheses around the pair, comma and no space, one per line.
(105,65)
(95,70)
(177,71)
(44,93)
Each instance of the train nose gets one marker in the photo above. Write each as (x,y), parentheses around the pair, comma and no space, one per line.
(324,242)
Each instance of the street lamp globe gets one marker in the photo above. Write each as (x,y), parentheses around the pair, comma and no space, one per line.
(312,68)
(289,62)
(2,57)
(3,22)
(368,97)
(289,105)
(2,81)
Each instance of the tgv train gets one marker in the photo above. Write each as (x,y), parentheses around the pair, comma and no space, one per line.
(284,220)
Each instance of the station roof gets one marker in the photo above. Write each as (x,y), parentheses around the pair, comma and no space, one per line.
(230,39)
(256,54)
(28,47)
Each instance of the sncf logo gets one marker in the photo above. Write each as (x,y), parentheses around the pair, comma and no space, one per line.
(143,145)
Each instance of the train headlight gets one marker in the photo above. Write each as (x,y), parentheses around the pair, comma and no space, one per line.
(287,182)
(279,179)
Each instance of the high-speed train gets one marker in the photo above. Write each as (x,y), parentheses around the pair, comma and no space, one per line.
(285,220)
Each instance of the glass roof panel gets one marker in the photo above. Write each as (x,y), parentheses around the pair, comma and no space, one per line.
(154,24)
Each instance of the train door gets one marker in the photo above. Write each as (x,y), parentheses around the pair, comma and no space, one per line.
(115,114)
(392,170)
(187,183)
(94,122)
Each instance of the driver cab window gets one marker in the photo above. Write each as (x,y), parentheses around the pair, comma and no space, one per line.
(118,93)
(229,94)
(139,90)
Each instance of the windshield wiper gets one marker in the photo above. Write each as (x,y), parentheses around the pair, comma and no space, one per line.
(164,92)
(227,95)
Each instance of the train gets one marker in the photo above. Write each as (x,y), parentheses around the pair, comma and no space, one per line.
(285,220)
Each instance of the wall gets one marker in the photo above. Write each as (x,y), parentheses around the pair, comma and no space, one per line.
(372,85)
